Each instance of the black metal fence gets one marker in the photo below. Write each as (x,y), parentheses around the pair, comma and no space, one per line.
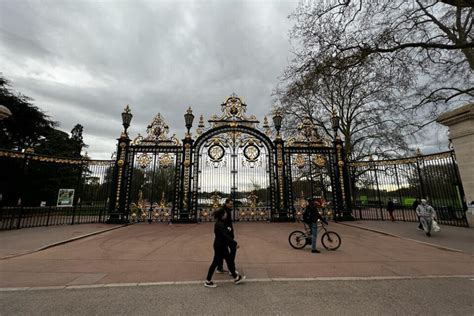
(38,190)
(433,177)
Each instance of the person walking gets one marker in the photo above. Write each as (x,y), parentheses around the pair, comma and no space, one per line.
(414,206)
(426,214)
(227,208)
(222,240)
(391,208)
(310,217)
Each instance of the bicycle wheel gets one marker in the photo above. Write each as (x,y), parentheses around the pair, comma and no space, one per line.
(297,239)
(331,240)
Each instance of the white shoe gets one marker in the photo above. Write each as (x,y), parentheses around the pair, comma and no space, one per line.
(239,279)
(209,284)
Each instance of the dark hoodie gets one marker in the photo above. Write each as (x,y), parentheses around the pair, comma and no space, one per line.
(223,238)
(228,220)
(313,214)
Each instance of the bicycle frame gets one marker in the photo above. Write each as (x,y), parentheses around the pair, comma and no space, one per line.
(319,225)
(327,237)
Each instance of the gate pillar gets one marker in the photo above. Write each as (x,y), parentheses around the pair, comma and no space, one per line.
(117,212)
(282,212)
(185,210)
(343,198)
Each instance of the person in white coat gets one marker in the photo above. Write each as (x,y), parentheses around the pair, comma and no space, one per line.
(427,214)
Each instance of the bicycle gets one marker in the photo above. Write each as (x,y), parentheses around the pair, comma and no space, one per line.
(329,239)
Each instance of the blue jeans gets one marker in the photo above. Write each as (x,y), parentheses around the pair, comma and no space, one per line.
(314,234)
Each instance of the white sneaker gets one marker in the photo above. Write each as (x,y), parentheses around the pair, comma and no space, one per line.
(209,284)
(239,279)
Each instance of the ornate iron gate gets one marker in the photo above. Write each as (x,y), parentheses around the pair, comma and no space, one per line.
(149,169)
(158,179)
(233,159)
(434,177)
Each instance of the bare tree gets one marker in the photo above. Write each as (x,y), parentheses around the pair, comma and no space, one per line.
(387,67)
(366,97)
(435,38)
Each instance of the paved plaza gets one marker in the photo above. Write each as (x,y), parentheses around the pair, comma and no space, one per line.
(143,269)
(144,253)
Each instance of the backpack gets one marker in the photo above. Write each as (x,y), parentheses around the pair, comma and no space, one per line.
(307,216)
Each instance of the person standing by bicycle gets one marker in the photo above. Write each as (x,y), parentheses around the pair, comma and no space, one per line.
(310,217)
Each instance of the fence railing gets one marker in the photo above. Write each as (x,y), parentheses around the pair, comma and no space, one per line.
(30,216)
(445,216)
(434,177)
(32,189)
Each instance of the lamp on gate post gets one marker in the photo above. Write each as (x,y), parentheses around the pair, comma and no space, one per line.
(117,211)
(277,120)
(188,119)
(126,118)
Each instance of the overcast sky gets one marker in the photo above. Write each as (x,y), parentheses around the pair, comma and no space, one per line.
(83,61)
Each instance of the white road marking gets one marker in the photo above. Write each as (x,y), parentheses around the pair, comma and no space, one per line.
(372,278)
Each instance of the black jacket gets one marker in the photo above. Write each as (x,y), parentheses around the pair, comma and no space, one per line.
(390,206)
(223,238)
(415,204)
(228,220)
(313,215)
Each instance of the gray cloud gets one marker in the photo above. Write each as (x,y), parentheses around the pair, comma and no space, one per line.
(82,61)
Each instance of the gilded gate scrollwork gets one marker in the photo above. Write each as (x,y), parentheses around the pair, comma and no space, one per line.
(234,156)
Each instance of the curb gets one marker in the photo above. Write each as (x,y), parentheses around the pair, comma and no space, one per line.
(61,242)
(406,238)
(145,284)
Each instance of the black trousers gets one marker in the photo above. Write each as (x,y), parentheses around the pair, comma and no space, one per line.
(232,253)
(221,254)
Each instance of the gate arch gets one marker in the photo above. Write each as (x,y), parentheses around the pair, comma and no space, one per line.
(245,156)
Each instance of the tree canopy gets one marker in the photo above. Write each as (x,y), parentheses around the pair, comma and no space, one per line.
(29,127)
(386,67)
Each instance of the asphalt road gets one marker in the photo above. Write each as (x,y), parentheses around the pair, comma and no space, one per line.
(432,296)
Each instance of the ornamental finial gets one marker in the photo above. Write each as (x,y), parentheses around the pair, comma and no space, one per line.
(190,111)
(265,122)
(127,109)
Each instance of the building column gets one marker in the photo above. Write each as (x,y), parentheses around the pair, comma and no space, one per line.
(460,122)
